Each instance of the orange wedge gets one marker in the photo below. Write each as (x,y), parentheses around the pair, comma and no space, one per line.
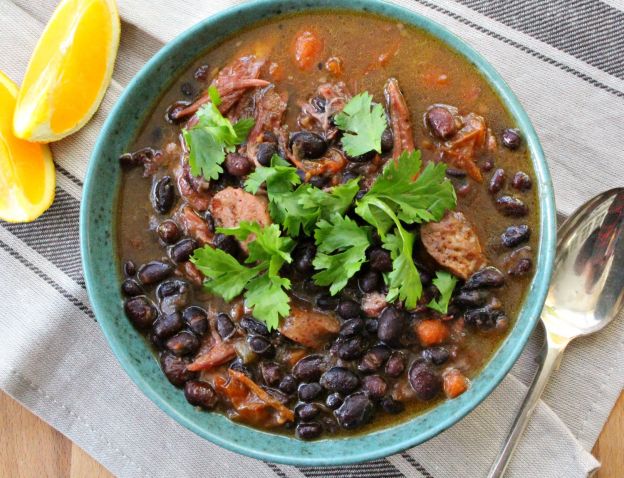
(69,71)
(27,175)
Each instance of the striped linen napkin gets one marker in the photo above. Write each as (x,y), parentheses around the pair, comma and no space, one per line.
(565,61)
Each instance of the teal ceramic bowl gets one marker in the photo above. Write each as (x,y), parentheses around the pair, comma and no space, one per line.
(97,230)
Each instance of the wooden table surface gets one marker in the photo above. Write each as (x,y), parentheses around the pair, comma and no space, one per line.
(31,448)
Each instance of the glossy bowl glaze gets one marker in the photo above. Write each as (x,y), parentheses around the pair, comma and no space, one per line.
(97,236)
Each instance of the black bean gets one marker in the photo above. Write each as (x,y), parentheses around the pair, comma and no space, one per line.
(441,122)
(265,152)
(522,267)
(375,386)
(348,309)
(168,231)
(387,140)
(309,368)
(308,431)
(352,348)
(309,391)
(167,325)
(363,158)
(303,255)
(326,302)
(130,288)
(307,144)
(319,181)
(239,366)
(288,384)
(456,173)
(237,165)
(306,411)
(395,365)
(485,278)
(128,161)
(391,326)
(351,327)
(129,268)
(497,181)
(372,326)
(370,281)
(425,382)
(225,326)
(227,244)
(141,312)
(522,181)
(348,176)
(511,206)
(154,272)
(511,138)
(201,73)
(389,405)
(436,355)
(487,165)
(356,410)
(183,343)
(484,317)
(182,250)
(174,115)
(187,89)
(374,359)
(253,326)
(271,373)
(163,195)
(260,345)
(360,194)
(471,298)
(171,287)
(380,260)
(175,369)
(200,394)
(339,379)
(197,319)
(515,235)
(333,401)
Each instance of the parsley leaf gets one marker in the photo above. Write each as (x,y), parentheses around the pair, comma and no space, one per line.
(341,251)
(423,199)
(228,277)
(263,287)
(363,125)
(445,283)
(212,137)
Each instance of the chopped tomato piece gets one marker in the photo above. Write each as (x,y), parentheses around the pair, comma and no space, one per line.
(432,332)
(455,383)
(308,47)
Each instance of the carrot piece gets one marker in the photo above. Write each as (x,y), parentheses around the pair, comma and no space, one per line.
(308,47)
(432,332)
(455,383)
(220,353)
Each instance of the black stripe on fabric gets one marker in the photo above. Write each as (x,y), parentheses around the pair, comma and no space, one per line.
(69,175)
(423,471)
(276,469)
(525,49)
(67,295)
(590,30)
(381,468)
(55,235)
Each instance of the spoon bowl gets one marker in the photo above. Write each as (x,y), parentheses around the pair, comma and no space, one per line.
(587,287)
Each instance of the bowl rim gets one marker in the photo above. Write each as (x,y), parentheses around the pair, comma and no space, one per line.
(530,310)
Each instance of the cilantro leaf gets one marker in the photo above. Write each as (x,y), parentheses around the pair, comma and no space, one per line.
(212,137)
(423,199)
(226,276)
(445,283)
(341,251)
(280,177)
(362,124)
(404,280)
(265,294)
(335,201)
(268,242)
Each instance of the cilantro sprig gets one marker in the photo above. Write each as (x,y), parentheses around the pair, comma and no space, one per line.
(212,137)
(362,124)
(445,283)
(341,251)
(264,288)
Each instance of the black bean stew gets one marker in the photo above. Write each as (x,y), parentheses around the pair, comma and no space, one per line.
(327,357)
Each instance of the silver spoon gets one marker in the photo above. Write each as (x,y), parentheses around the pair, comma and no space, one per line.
(585,294)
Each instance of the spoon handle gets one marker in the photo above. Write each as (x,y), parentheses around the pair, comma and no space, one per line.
(550,362)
